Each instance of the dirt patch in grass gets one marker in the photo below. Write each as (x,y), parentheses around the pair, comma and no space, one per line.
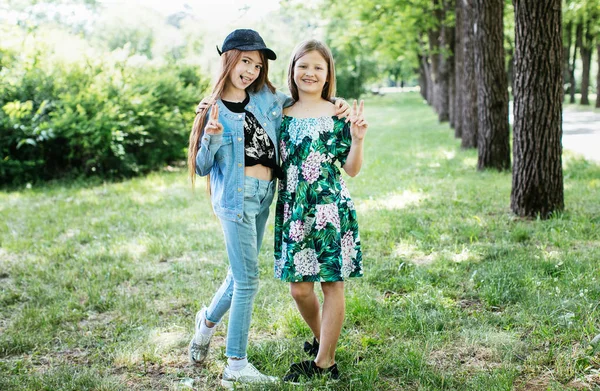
(6,260)
(539,383)
(173,372)
(544,381)
(95,320)
(174,307)
(593,378)
(472,358)
(471,305)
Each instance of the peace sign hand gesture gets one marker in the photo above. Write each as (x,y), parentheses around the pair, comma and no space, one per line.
(358,127)
(214,126)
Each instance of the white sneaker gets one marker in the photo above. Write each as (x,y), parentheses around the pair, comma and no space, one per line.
(198,350)
(247,375)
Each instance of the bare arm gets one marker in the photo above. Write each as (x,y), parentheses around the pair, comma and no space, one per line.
(358,130)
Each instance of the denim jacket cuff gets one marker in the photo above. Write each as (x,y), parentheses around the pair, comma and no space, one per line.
(211,140)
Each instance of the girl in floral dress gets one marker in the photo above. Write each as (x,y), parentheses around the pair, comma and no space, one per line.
(316,229)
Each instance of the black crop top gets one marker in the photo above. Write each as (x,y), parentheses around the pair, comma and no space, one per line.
(258,147)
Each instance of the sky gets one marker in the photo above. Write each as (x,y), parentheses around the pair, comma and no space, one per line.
(216,11)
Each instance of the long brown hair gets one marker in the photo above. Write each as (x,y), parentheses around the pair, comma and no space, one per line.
(300,50)
(229,60)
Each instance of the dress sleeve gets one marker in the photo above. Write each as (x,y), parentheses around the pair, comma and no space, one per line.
(343,140)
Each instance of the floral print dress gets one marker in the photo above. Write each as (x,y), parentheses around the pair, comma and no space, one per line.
(316,229)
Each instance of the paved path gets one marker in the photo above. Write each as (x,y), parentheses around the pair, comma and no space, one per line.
(581,133)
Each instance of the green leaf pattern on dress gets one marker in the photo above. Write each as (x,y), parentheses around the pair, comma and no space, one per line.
(316,228)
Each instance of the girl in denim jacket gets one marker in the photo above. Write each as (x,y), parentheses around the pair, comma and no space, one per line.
(234,143)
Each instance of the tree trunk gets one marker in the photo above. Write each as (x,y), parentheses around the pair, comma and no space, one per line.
(428,79)
(510,72)
(573,87)
(468,89)
(433,36)
(451,77)
(492,86)
(458,71)
(443,77)
(586,50)
(598,76)
(422,77)
(537,185)
(567,38)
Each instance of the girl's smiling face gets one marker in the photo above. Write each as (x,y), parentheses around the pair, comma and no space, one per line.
(246,71)
(311,73)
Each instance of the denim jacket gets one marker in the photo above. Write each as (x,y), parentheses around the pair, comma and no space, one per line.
(222,156)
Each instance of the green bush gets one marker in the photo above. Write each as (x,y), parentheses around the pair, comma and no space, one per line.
(106,118)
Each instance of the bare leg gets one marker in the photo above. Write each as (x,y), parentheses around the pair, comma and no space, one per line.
(308,305)
(208,323)
(334,308)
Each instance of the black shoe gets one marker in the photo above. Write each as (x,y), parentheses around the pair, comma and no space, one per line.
(309,369)
(312,349)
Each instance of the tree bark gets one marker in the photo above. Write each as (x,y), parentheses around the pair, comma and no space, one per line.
(443,77)
(422,77)
(433,37)
(598,76)
(586,48)
(451,77)
(573,87)
(458,71)
(468,89)
(510,71)
(427,81)
(537,184)
(567,39)
(492,86)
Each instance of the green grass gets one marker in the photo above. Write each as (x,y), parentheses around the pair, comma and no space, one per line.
(99,283)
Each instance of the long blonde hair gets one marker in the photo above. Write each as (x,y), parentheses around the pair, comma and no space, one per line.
(229,60)
(300,50)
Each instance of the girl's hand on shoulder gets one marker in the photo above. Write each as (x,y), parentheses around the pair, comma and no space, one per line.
(358,124)
(213,125)
(342,109)
(204,104)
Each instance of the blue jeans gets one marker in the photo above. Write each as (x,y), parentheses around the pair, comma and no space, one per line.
(243,240)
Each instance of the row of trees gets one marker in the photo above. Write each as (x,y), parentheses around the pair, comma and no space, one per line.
(581,34)
(468,53)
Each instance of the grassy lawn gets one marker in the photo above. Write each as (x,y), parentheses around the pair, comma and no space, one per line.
(99,283)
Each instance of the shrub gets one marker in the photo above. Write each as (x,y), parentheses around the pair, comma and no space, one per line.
(108,118)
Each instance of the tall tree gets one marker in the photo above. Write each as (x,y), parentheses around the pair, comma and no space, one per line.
(598,76)
(440,50)
(537,185)
(424,77)
(567,40)
(458,71)
(572,85)
(468,88)
(492,86)
(451,75)
(586,45)
(433,37)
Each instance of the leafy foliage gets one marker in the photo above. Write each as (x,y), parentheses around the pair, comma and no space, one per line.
(112,118)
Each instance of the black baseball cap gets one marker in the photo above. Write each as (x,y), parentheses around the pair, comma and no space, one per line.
(246,40)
